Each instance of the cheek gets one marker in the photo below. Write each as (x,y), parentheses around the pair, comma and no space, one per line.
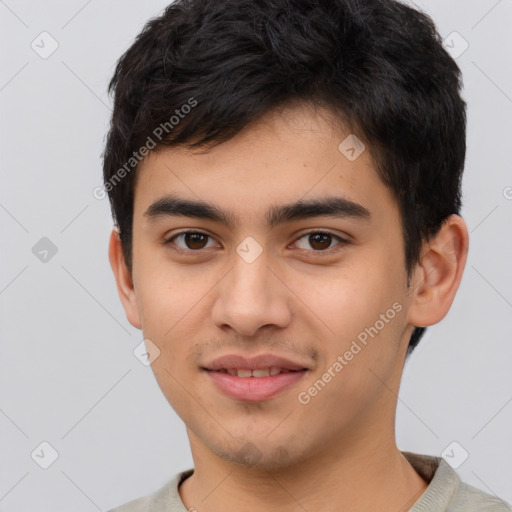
(348,301)
(359,348)
(168,294)
(361,316)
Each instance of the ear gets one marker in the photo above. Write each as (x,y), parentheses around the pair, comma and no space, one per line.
(438,274)
(123,278)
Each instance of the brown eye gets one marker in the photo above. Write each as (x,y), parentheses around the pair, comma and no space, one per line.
(319,241)
(190,241)
(195,240)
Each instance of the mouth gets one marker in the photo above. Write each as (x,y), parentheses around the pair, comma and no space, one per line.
(253,378)
(256,385)
(257,373)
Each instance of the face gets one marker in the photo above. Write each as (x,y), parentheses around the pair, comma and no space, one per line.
(323,288)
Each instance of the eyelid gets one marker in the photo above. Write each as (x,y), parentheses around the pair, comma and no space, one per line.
(346,238)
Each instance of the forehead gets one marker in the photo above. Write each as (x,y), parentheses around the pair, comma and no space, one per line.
(289,156)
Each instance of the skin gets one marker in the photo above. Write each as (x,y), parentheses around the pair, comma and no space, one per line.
(338,452)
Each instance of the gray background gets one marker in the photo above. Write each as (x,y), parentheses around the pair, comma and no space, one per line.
(68,375)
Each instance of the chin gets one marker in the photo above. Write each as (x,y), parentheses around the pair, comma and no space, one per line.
(251,455)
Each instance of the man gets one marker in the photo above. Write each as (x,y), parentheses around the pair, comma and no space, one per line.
(285,180)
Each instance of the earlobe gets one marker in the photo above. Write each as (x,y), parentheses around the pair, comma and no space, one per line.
(124,282)
(439,273)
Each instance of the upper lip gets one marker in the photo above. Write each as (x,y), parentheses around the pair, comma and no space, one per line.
(258,362)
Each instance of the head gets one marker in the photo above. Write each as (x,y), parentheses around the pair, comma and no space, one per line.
(255,106)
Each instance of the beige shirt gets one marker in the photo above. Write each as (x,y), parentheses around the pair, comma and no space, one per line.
(445,493)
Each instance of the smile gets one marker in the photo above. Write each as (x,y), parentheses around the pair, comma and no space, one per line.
(263,372)
(254,385)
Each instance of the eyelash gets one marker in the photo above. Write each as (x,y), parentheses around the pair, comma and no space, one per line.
(342,242)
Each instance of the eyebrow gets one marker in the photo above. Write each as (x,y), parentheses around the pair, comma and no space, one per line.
(338,207)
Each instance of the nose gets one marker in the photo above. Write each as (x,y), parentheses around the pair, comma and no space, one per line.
(251,297)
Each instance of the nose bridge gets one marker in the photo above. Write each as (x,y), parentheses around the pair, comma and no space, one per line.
(249,279)
(249,296)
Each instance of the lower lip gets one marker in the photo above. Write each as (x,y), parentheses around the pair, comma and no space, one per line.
(254,389)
